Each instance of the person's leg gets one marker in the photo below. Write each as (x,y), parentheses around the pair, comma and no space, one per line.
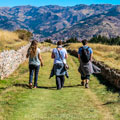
(83,80)
(36,75)
(31,71)
(62,80)
(58,82)
(87,81)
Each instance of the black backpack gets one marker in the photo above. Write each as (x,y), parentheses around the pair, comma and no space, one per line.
(85,56)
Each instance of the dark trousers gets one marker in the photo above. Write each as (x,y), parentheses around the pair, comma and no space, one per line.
(60,82)
(33,69)
(85,77)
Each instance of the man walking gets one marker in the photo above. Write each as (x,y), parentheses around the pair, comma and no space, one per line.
(85,54)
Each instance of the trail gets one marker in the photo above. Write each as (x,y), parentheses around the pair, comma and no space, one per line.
(73,102)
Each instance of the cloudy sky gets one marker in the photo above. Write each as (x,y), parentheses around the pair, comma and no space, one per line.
(11,3)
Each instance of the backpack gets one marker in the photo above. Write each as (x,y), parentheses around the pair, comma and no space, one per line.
(85,55)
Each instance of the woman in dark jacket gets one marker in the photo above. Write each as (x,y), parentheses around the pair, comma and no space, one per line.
(59,55)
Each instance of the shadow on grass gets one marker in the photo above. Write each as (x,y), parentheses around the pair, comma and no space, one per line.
(109,86)
(72,86)
(42,87)
(22,85)
(112,102)
(2,88)
(54,88)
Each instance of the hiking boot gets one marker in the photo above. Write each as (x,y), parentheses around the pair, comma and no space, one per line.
(86,85)
(83,83)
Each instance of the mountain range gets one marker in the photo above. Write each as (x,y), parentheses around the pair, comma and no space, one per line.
(57,22)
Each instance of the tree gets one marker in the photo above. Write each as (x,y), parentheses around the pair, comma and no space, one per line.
(48,40)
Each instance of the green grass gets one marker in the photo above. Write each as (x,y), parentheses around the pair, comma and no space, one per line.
(73,102)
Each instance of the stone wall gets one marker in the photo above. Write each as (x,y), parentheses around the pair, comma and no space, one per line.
(111,75)
(10,60)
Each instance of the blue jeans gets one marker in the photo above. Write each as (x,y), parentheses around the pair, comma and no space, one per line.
(33,69)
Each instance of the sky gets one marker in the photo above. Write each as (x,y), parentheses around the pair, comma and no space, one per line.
(11,3)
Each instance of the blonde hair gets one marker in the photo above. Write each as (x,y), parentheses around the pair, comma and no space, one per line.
(33,48)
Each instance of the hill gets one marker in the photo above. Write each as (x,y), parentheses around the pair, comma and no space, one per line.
(105,24)
(47,20)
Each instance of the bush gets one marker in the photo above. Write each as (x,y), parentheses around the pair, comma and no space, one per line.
(48,40)
(105,40)
(24,34)
(72,40)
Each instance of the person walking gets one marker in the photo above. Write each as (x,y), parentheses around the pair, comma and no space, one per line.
(59,55)
(35,60)
(85,54)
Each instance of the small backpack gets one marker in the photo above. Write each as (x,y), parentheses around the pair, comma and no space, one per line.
(85,56)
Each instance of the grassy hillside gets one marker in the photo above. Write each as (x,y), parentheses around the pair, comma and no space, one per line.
(73,102)
(10,40)
(110,55)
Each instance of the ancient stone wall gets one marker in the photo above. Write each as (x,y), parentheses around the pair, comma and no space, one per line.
(112,75)
(10,60)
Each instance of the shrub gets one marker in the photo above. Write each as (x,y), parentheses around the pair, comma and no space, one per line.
(24,34)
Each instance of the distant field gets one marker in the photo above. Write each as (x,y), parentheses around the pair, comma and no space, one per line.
(10,40)
(46,44)
(110,55)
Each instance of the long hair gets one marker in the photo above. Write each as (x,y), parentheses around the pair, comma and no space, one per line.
(33,49)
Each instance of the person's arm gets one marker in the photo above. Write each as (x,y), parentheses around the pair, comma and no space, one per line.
(66,56)
(27,54)
(40,58)
(53,55)
(79,54)
(79,57)
(91,57)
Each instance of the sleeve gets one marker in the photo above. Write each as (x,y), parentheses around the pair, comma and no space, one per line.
(65,51)
(38,50)
(91,51)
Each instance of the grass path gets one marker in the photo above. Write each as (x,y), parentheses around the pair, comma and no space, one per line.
(73,102)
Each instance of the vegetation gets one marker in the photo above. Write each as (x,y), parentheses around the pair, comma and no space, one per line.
(105,40)
(108,54)
(10,40)
(72,40)
(71,103)
(24,34)
(48,40)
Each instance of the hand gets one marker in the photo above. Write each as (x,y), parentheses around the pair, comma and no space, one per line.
(42,64)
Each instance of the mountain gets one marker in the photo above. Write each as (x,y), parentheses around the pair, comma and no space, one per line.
(48,20)
(105,24)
